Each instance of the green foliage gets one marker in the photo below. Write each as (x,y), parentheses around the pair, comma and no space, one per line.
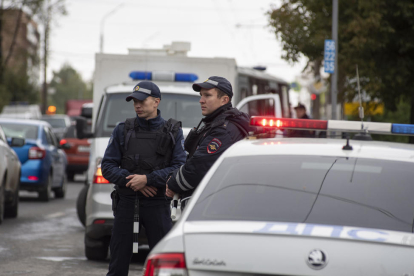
(17,87)
(378,36)
(68,84)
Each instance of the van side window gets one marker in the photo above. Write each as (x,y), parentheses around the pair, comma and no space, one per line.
(264,107)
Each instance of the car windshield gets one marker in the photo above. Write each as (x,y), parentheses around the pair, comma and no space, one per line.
(71,131)
(20,130)
(310,189)
(184,108)
(55,122)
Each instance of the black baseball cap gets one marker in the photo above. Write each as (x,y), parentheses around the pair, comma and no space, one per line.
(143,90)
(215,82)
(300,106)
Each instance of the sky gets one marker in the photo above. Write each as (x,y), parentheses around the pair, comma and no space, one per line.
(215,28)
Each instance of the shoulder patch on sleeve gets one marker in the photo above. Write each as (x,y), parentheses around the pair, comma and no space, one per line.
(214,145)
(110,140)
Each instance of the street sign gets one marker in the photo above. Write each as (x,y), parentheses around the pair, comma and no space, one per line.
(329,56)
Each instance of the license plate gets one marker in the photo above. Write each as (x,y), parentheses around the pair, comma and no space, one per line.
(84,149)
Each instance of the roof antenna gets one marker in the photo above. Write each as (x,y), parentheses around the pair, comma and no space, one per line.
(360,108)
(364,132)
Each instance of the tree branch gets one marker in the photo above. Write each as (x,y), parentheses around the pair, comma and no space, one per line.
(16,31)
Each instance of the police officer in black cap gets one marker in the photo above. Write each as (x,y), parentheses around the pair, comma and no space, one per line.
(141,153)
(301,114)
(222,126)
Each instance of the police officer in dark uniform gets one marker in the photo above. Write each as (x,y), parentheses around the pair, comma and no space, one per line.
(301,114)
(222,126)
(140,155)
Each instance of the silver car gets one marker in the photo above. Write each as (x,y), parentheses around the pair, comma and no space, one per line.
(10,170)
(297,206)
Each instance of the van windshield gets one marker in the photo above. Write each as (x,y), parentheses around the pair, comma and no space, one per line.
(184,108)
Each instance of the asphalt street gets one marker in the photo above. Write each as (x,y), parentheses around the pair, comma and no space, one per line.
(47,239)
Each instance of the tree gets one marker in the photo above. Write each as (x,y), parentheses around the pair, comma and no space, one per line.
(15,84)
(32,7)
(378,36)
(68,84)
(51,9)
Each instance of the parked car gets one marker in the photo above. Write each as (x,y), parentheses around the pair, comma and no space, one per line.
(10,167)
(43,161)
(77,152)
(59,123)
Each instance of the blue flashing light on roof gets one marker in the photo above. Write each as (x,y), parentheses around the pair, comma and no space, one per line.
(186,77)
(163,76)
(140,75)
(402,129)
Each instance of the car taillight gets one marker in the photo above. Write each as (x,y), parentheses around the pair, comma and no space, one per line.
(98,178)
(167,264)
(36,153)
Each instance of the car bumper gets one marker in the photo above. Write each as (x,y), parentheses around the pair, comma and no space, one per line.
(33,174)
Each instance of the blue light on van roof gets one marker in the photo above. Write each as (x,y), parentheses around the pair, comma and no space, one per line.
(140,75)
(163,76)
(186,77)
(402,129)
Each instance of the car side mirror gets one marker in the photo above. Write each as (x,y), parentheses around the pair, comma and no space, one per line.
(81,128)
(63,144)
(17,142)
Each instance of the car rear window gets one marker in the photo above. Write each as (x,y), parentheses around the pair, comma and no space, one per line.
(71,131)
(55,122)
(19,130)
(309,189)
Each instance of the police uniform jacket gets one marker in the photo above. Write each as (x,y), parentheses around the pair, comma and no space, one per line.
(221,129)
(111,162)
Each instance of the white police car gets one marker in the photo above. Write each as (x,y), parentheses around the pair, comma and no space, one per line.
(299,206)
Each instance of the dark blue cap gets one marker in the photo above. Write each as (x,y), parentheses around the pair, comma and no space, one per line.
(215,82)
(143,90)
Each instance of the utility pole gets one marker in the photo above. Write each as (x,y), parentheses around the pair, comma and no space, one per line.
(101,36)
(334,79)
(45,54)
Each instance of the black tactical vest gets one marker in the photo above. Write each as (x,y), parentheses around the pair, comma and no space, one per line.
(146,151)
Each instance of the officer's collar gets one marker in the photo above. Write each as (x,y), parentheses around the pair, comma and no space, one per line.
(152,123)
(209,118)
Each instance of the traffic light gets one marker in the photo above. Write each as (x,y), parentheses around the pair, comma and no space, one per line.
(313,97)
(51,110)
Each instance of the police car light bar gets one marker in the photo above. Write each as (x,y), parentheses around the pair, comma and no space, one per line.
(163,76)
(271,122)
(332,125)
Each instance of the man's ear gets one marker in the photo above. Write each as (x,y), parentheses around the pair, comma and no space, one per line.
(157,101)
(225,100)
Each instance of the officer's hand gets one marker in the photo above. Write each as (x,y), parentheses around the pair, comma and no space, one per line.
(137,181)
(149,191)
(168,192)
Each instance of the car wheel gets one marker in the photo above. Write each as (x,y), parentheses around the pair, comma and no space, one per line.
(81,204)
(61,191)
(45,193)
(2,203)
(71,176)
(97,253)
(12,210)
